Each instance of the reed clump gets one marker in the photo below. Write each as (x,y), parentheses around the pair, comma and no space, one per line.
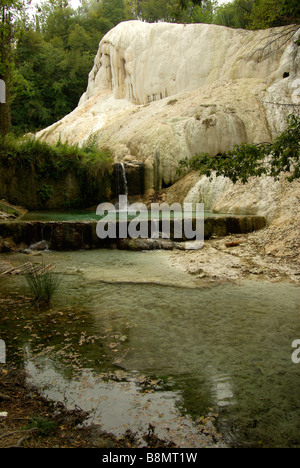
(43,282)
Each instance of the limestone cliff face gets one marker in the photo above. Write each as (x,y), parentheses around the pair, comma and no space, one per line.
(161,92)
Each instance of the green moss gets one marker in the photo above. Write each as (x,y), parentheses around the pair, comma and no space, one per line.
(8,209)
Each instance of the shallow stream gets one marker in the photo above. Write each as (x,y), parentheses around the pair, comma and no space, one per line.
(136,341)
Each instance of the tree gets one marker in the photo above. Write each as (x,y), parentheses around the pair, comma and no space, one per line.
(53,57)
(272,13)
(183,11)
(8,12)
(150,10)
(204,13)
(235,14)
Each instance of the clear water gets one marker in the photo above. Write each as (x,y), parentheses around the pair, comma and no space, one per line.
(85,215)
(121,318)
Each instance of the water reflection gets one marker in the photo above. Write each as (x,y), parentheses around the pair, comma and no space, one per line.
(222,390)
(118,403)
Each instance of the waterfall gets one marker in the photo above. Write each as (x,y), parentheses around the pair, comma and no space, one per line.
(121,180)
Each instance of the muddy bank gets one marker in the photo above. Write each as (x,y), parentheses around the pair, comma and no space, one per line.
(35,422)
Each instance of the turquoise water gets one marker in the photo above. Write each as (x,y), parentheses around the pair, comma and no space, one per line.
(85,215)
(124,318)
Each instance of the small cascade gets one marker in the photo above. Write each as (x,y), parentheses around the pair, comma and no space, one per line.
(121,179)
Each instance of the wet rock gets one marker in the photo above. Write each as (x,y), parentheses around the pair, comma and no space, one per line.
(42,245)
(147,244)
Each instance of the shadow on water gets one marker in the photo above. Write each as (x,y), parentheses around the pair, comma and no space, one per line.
(151,351)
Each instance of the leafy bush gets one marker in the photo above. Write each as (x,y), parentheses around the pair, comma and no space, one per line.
(245,161)
(45,192)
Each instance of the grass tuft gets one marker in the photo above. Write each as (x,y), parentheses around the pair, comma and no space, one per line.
(43,283)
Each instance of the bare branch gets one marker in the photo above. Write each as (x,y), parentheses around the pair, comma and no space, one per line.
(275,36)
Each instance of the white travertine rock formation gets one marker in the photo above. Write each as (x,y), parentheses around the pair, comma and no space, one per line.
(161,92)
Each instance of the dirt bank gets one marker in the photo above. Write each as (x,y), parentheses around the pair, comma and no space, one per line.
(246,256)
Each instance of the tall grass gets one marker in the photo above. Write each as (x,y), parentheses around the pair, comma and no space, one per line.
(27,157)
(43,283)
(53,160)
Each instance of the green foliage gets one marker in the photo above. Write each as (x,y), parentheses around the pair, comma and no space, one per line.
(9,9)
(271,13)
(245,161)
(51,160)
(235,14)
(258,14)
(45,192)
(53,57)
(184,11)
(43,426)
(49,163)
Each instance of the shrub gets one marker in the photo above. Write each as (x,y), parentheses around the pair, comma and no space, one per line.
(43,283)
(45,192)
(52,160)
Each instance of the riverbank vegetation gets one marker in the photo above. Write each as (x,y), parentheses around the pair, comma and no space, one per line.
(36,174)
(51,159)
(43,283)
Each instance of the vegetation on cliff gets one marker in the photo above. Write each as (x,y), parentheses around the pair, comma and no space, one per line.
(245,161)
(45,168)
